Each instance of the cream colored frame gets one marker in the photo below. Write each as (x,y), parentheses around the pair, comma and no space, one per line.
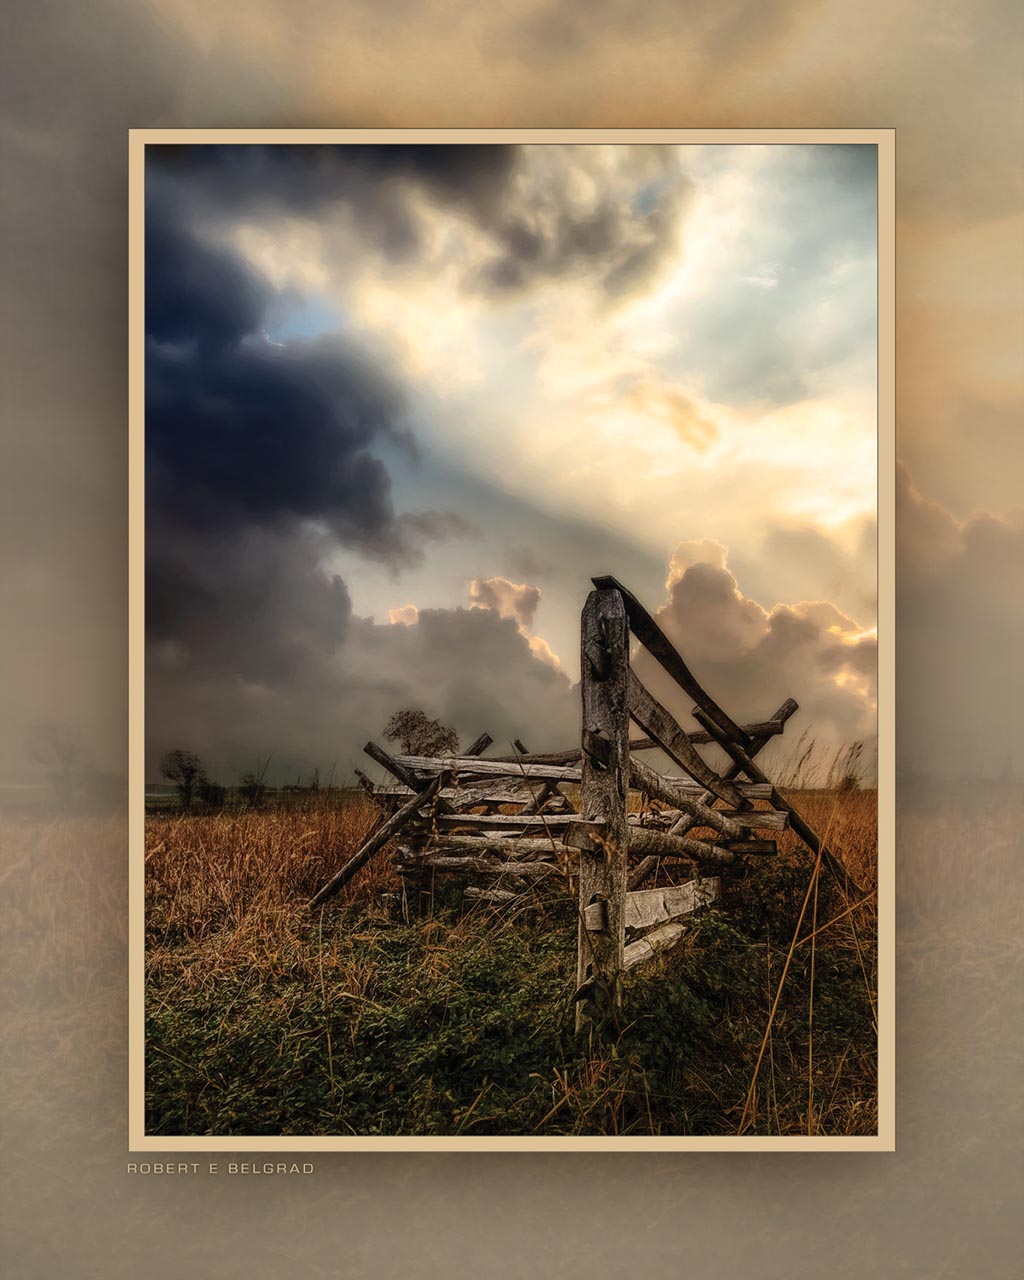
(885,140)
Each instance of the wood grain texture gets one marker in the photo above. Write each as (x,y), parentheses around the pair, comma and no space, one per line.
(468,768)
(496,792)
(644,868)
(660,844)
(728,822)
(506,846)
(652,944)
(763,848)
(478,866)
(807,834)
(659,787)
(652,717)
(377,841)
(649,907)
(526,822)
(604,682)
(686,823)
(661,648)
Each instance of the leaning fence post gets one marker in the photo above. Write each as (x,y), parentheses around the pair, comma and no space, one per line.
(604,683)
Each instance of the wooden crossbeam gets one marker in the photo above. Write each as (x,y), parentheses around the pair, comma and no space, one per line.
(652,717)
(652,944)
(491,895)
(498,791)
(478,864)
(817,846)
(529,822)
(661,648)
(687,821)
(377,841)
(394,766)
(733,822)
(467,767)
(470,771)
(699,738)
(548,790)
(659,844)
(508,845)
(644,868)
(661,788)
(788,709)
(649,907)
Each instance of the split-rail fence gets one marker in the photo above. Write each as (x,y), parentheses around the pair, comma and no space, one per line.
(503,824)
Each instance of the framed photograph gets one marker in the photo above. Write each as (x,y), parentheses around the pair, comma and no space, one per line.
(512,640)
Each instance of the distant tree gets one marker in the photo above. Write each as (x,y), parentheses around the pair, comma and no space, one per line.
(185,770)
(212,794)
(421,736)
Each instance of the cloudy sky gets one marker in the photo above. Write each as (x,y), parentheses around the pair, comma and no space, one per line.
(404,401)
(945,77)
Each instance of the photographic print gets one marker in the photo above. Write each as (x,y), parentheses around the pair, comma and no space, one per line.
(512,640)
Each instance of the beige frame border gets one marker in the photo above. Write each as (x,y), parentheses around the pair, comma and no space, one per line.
(885,140)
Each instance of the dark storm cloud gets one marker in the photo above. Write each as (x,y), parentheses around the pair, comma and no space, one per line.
(259,467)
(372,181)
(470,668)
(618,238)
(536,231)
(303,176)
(251,604)
(243,430)
(623,250)
(475,670)
(260,463)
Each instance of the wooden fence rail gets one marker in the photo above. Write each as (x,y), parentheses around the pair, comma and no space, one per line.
(517,821)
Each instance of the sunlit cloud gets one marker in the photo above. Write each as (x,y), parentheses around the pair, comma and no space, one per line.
(518,601)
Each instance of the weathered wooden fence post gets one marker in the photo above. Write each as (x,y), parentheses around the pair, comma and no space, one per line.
(604,685)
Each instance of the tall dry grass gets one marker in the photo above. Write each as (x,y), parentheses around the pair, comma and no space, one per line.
(237,872)
(228,922)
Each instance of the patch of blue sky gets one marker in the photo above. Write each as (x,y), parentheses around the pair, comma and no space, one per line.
(647,198)
(303,318)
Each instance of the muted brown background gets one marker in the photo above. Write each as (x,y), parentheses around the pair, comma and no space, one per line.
(78,77)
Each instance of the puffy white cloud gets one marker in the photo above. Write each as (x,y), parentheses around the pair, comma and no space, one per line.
(695,551)
(511,599)
(518,601)
(751,658)
(406,615)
